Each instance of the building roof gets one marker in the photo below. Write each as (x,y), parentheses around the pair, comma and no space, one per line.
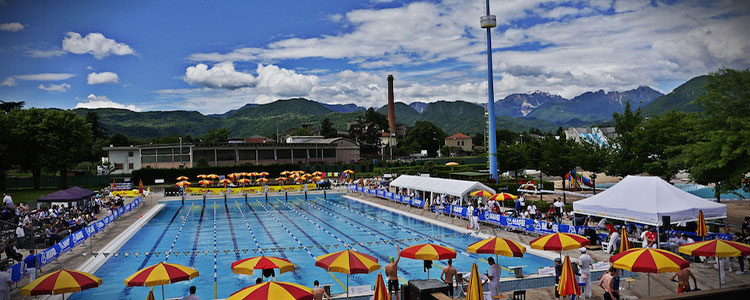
(71,194)
(453,187)
(458,136)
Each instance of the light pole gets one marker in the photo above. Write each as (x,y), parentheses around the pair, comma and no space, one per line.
(180,152)
(489,21)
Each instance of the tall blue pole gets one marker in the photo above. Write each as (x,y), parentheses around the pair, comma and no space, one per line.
(491,97)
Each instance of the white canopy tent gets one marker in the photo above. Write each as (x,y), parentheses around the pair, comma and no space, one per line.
(451,187)
(645,199)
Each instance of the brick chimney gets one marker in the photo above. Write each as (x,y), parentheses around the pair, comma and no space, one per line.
(391,107)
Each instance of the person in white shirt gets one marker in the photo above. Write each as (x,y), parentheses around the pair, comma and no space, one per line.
(5,283)
(532,210)
(585,263)
(494,275)
(192,295)
(20,235)
(522,202)
(644,244)
(612,246)
(8,200)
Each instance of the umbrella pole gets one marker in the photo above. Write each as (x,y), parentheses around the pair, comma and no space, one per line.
(162,293)
(649,283)
(347,286)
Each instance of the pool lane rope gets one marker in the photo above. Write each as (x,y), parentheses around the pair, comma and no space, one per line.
(179,231)
(429,238)
(252,234)
(216,268)
(307,249)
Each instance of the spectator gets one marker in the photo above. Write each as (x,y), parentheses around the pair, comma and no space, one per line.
(614,238)
(21,235)
(532,210)
(12,252)
(585,263)
(192,295)
(318,292)
(5,283)
(558,273)
(8,201)
(31,265)
(651,238)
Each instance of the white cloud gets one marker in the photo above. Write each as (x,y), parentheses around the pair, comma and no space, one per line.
(12,27)
(284,82)
(45,53)
(10,81)
(95,44)
(57,88)
(221,75)
(45,76)
(102,77)
(94,101)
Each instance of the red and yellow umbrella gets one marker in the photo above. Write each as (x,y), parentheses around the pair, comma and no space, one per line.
(205,182)
(262,180)
(243,181)
(61,282)
(183,183)
(273,290)
(225,182)
(648,260)
(348,171)
(284,173)
(181,178)
(474,289)
(347,262)
(233,175)
(317,178)
(243,174)
(568,283)
(428,252)
(248,265)
(701,231)
(482,193)
(497,246)
(317,173)
(624,242)
(212,176)
(380,293)
(559,242)
(503,196)
(202,176)
(161,274)
(280,179)
(263,174)
(716,248)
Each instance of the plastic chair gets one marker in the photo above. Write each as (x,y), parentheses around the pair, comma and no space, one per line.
(519,295)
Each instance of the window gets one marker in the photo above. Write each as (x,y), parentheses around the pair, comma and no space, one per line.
(118,166)
(130,153)
(130,166)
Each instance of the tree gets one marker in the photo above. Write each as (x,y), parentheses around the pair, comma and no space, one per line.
(67,141)
(28,136)
(97,131)
(558,156)
(301,132)
(9,106)
(660,139)
(424,136)
(216,135)
(593,158)
(7,157)
(628,157)
(511,158)
(119,140)
(326,129)
(718,150)
(373,117)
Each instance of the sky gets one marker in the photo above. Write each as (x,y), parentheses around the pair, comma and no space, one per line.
(216,55)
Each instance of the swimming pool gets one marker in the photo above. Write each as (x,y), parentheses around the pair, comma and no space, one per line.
(305,230)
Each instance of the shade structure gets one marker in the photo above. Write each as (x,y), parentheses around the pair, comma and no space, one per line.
(212,176)
(284,173)
(262,180)
(248,265)
(348,172)
(280,179)
(482,193)
(150,295)
(497,246)
(428,252)
(559,242)
(380,293)
(503,196)
(233,175)
(160,274)
(243,181)
(263,174)
(183,183)
(225,182)
(451,164)
(317,173)
(317,178)
(716,248)
(61,282)
(648,260)
(181,178)
(624,242)
(205,182)
(474,289)
(273,290)
(701,231)
(347,262)
(568,283)
(202,176)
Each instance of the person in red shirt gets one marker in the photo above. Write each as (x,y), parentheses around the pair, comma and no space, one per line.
(651,238)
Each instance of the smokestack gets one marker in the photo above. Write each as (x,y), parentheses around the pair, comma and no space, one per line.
(391,107)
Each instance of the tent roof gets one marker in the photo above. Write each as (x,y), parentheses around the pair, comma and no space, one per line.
(71,194)
(645,199)
(451,187)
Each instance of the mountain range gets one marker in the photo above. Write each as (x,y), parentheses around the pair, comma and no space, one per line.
(517,112)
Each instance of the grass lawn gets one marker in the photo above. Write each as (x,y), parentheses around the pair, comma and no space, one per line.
(28,196)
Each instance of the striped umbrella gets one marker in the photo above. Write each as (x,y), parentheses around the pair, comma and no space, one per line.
(428,252)
(648,260)
(284,173)
(225,182)
(212,176)
(243,181)
(482,193)
(183,183)
(205,182)
(150,295)
(474,289)
(624,242)
(701,231)
(317,173)
(181,178)
(317,178)
(202,176)
(262,180)
(451,164)
(273,290)
(61,282)
(263,174)
(161,274)
(233,175)
(503,196)
(559,242)
(347,262)
(497,246)
(716,248)
(281,179)
(248,265)
(380,293)
(348,172)
(568,283)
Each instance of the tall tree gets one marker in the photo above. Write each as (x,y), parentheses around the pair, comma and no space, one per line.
(28,136)
(326,129)
(67,141)
(97,130)
(9,106)
(216,135)
(719,148)
(593,158)
(660,140)
(7,156)
(628,156)
(511,158)
(558,156)
(424,136)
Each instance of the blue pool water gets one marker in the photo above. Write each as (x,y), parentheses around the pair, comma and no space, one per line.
(278,223)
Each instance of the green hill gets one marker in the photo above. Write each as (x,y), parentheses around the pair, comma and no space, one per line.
(153,123)
(680,99)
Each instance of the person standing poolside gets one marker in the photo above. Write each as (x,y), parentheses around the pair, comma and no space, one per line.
(391,271)
(447,276)
(494,275)
(606,284)
(192,295)
(31,265)
(585,262)
(683,280)
(319,292)
(5,283)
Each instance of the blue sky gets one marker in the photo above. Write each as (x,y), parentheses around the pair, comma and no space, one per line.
(213,55)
